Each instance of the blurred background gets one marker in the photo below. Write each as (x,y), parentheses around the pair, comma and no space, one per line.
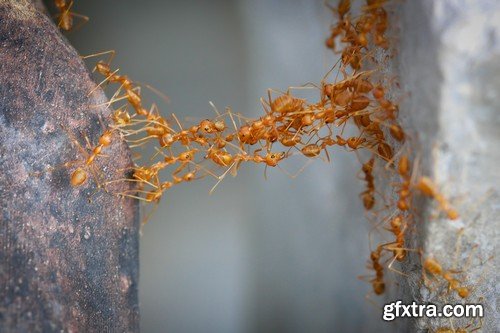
(275,255)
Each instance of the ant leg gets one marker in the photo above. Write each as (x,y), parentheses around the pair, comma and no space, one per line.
(102,82)
(375,228)
(84,19)
(296,174)
(372,302)
(115,98)
(221,177)
(396,270)
(177,121)
(212,105)
(112,54)
(124,195)
(148,215)
(391,161)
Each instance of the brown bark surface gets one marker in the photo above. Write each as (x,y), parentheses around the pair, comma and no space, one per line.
(68,256)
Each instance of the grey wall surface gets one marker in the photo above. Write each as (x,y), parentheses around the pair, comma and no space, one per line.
(450,62)
(275,255)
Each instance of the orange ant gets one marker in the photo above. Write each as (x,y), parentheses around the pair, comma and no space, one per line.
(79,176)
(271,159)
(358,102)
(368,196)
(66,15)
(378,283)
(390,110)
(342,9)
(380,25)
(395,129)
(434,267)
(364,26)
(355,142)
(289,140)
(398,249)
(404,191)
(219,157)
(133,97)
(121,118)
(427,187)
(311,150)
(385,151)
(285,103)
(104,141)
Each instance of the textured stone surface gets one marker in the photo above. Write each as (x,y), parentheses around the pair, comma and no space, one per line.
(68,256)
(449,60)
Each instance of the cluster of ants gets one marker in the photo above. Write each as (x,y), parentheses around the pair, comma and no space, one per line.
(355,36)
(289,126)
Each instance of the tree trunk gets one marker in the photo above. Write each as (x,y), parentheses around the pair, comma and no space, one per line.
(69,255)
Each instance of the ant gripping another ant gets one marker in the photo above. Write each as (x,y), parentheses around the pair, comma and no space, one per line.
(79,176)
(291,122)
(433,267)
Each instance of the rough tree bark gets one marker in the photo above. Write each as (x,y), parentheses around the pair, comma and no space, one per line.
(68,256)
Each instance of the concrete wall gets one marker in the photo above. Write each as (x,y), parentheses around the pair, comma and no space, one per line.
(449,64)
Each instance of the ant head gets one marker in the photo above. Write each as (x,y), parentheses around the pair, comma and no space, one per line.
(272,159)
(207,127)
